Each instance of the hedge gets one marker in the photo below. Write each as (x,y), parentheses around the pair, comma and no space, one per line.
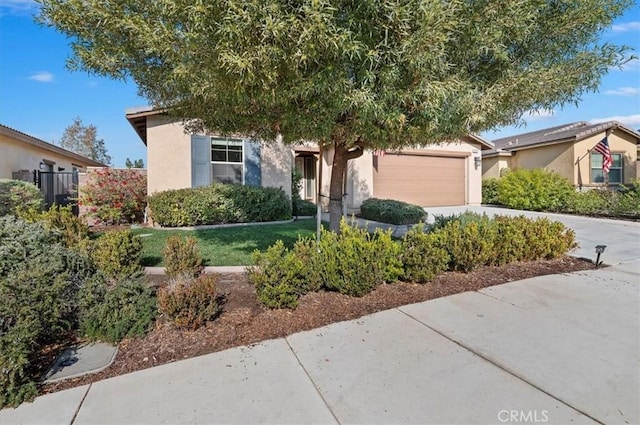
(219,204)
(391,211)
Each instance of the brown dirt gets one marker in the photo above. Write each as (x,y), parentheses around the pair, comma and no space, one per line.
(244,321)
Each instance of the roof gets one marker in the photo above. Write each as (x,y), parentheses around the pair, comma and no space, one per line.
(137,117)
(571,132)
(30,140)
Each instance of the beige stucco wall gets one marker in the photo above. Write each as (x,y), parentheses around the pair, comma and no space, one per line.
(494,166)
(276,165)
(360,173)
(559,158)
(16,155)
(168,155)
(619,142)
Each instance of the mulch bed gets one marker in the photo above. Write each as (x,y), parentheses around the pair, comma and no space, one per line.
(244,321)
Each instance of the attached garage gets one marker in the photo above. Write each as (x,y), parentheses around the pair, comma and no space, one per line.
(428,179)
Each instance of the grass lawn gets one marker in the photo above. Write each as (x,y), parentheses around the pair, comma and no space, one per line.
(228,246)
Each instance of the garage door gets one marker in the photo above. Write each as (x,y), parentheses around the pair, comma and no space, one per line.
(428,181)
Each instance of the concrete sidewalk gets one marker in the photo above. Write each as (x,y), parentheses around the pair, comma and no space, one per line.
(552,349)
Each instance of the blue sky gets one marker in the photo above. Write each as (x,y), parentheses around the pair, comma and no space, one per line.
(40,97)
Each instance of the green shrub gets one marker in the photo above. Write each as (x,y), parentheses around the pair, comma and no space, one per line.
(16,195)
(114,312)
(534,190)
(280,276)
(354,262)
(39,281)
(189,303)
(118,254)
(390,211)
(182,258)
(72,229)
(302,207)
(219,203)
(440,220)
(546,239)
(468,245)
(422,255)
(628,200)
(490,191)
(590,202)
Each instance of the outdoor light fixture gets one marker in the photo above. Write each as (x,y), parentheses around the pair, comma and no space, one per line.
(599,250)
(477,161)
(41,166)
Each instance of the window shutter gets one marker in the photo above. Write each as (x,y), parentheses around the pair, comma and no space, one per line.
(252,163)
(200,161)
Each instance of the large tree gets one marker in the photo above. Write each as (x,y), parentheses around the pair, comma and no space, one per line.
(83,140)
(352,75)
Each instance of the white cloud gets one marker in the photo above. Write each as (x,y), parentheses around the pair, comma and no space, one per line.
(538,115)
(42,77)
(632,121)
(632,65)
(624,91)
(17,7)
(626,27)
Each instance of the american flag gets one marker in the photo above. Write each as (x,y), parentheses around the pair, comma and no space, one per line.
(603,148)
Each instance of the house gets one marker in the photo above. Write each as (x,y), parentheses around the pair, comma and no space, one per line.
(446,174)
(568,150)
(53,168)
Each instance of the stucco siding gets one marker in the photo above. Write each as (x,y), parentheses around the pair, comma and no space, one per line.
(559,158)
(276,165)
(619,142)
(168,155)
(16,156)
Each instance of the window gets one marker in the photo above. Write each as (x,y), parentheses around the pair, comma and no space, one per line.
(226,160)
(615,173)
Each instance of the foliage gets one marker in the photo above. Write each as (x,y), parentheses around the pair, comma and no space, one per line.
(190,302)
(474,240)
(115,195)
(535,190)
(118,255)
(629,200)
(469,245)
(219,203)
(16,195)
(84,141)
(72,229)
(423,256)
(39,280)
(302,207)
(440,220)
(390,211)
(182,258)
(113,312)
(138,163)
(490,191)
(280,276)
(354,262)
(353,75)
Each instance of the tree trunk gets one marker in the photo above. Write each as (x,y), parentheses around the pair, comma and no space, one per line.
(341,156)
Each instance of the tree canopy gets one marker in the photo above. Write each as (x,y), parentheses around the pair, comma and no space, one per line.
(351,74)
(137,163)
(84,141)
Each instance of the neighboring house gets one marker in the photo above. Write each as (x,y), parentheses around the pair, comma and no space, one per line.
(568,150)
(445,174)
(52,168)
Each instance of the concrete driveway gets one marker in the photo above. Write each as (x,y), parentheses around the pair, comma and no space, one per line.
(553,349)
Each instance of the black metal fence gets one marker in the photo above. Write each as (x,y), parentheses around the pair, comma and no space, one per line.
(59,188)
